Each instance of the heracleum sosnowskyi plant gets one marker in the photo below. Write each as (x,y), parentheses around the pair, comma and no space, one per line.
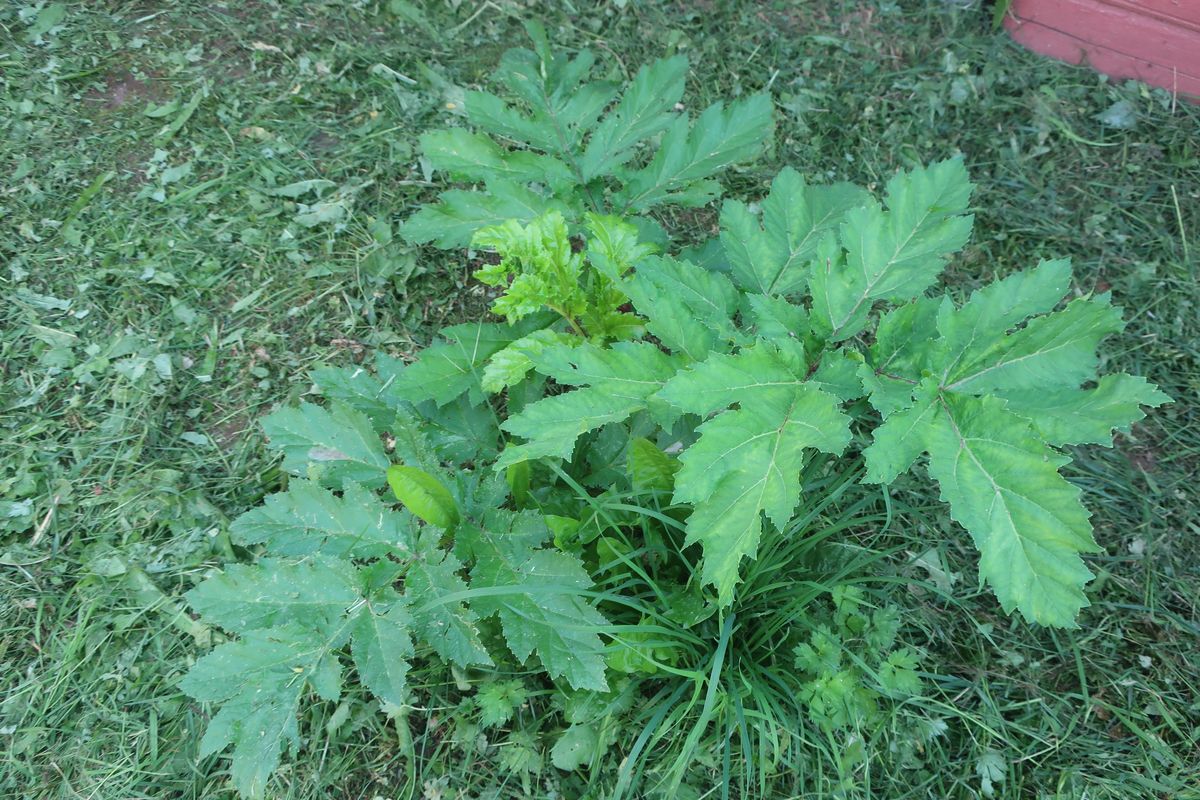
(561,142)
(732,393)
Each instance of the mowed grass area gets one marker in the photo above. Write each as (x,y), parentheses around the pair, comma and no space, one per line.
(199,205)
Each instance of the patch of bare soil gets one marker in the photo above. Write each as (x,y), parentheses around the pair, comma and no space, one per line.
(122,87)
(230,429)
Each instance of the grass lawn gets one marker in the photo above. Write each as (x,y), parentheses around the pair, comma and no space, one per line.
(199,205)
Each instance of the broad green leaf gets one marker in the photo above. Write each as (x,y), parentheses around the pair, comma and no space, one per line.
(887,394)
(764,440)
(382,649)
(991,311)
(453,368)
(904,345)
(749,377)
(458,214)
(837,374)
(259,681)
(721,136)
(552,84)
(496,116)
(475,157)
(460,431)
(709,255)
(578,745)
(359,389)
(773,258)
(335,445)
(541,605)
(1086,416)
(1003,486)
(512,364)
(895,254)
(781,323)
(561,136)
(776,319)
(643,111)
(424,495)
(1052,351)
(747,462)
(689,309)
(992,454)
(903,436)
(562,108)
(650,467)
(552,425)
(271,593)
(410,441)
(307,519)
(445,623)
(619,381)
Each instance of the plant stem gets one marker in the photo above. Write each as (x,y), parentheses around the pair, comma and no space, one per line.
(570,320)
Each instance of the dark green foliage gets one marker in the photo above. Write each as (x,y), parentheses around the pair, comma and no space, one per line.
(562,143)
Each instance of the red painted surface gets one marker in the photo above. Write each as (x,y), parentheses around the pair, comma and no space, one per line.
(1156,41)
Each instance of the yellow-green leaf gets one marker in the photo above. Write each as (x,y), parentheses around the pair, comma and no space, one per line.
(650,467)
(423,495)
(517,476)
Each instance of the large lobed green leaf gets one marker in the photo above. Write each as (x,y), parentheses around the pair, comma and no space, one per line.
(690,310)
(891,255)
(308,519)
(690,153)
(539,596)
(773,258)
(559,142)
(335,445)
(988,401)
(617,381)
(747,461)
(259,681)
(448,370)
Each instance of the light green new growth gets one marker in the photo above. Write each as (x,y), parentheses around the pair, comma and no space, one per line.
(539,269)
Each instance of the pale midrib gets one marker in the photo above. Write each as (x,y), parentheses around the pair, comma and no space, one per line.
(1010,362)
(871,283)
(999,496)
(794,251)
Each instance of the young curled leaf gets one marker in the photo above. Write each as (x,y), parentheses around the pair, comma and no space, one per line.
(517,476)
(650,467)
(423,495)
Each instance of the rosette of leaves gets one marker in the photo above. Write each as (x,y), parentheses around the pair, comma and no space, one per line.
(344,576)
(718,398)
(561,141)
(824,305)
